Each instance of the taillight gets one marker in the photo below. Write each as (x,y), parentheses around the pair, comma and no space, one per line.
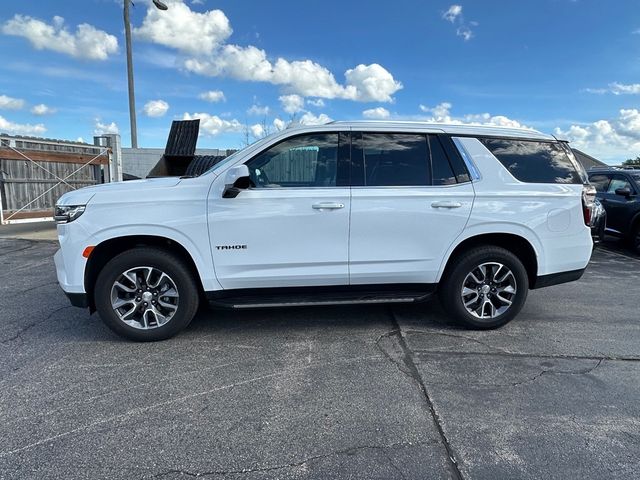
(588,203)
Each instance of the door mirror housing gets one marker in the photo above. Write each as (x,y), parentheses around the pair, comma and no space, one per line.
(236,180)
(624,192)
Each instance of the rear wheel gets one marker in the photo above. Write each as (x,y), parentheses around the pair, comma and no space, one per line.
(484,288)
(146,294)
(635,238)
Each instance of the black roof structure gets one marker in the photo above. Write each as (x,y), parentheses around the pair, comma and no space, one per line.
(587,161)
(183,138)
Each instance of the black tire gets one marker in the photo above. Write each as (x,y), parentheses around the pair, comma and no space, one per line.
(450,289)
(166,262)
(635,238)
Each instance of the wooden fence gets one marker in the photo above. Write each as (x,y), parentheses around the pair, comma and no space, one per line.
(31,181)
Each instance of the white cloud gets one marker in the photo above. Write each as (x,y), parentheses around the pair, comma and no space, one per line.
(183,29)
(203,35)
(214,125)
(453,13)
(379,113)
(258,110)
(197,2)
(257,130)
(7,126)
(10,103)
(156,108)
(279,124)
(42,109)
(292,104)
(620,88)
(612,139)
(318,102)
(311,119)
(465,32)
(80,140)
(617,89)
(441,113)
(213,96)
(370,83)
(105,128)
(87,42)
(306,78)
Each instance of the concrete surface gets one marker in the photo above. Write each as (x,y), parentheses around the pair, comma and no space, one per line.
(322,393)
(30,231)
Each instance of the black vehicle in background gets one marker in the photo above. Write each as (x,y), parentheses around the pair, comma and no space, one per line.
(618,189)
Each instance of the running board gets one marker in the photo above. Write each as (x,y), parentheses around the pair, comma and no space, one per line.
(303,297)
(325,303)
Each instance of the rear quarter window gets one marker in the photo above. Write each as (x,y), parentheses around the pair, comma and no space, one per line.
(533,161)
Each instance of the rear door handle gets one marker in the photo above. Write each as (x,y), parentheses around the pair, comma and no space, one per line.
(446,205)
(328,206)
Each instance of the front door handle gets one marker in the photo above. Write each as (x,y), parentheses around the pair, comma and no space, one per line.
(446,204)
(328,206)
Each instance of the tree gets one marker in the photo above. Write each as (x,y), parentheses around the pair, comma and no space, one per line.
(632,162)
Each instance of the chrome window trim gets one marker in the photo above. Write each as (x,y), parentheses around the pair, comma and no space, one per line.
(474,171)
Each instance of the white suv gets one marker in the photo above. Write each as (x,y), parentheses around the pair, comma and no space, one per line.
(348,212)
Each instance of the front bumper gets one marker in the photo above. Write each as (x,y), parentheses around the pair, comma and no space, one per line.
(78,299)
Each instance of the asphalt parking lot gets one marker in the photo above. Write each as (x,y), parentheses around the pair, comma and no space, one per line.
(322,393)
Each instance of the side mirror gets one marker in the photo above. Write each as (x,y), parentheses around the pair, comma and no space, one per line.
(624,192)
(236,180)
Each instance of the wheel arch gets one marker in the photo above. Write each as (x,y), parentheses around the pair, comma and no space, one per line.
(516,244)
(109,248)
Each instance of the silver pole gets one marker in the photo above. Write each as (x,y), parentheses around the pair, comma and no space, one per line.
(132,95)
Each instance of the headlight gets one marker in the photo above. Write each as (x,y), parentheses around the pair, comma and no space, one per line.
(67,213)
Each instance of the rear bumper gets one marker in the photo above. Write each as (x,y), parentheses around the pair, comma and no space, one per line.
(557,278)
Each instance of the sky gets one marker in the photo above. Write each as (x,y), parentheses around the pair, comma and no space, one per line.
(248,68)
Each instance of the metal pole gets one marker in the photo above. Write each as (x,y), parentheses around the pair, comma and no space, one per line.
(1,207)
(132,96)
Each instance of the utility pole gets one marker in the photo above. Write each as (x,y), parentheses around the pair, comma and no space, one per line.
(132,96)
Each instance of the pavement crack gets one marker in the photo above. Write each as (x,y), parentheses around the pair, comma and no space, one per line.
(559,372)
(300,463)
(31,325)
(406,364)
(608,358)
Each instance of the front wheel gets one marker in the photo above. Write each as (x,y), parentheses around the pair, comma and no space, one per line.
(485,288)
(146,294)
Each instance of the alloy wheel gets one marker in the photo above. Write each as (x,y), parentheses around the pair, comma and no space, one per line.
(144,297)
(489,290)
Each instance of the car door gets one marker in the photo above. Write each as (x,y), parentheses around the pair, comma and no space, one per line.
(618,207)
(291,227)
(407,207)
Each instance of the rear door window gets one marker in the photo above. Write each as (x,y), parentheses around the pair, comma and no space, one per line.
(534,161)
(600,181)
(442,171)
(395,159)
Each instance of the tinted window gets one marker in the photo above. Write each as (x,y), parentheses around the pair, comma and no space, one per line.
(395,159)
(442,171)
(304,161)
(619,181)
(600,181)
(534,162)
